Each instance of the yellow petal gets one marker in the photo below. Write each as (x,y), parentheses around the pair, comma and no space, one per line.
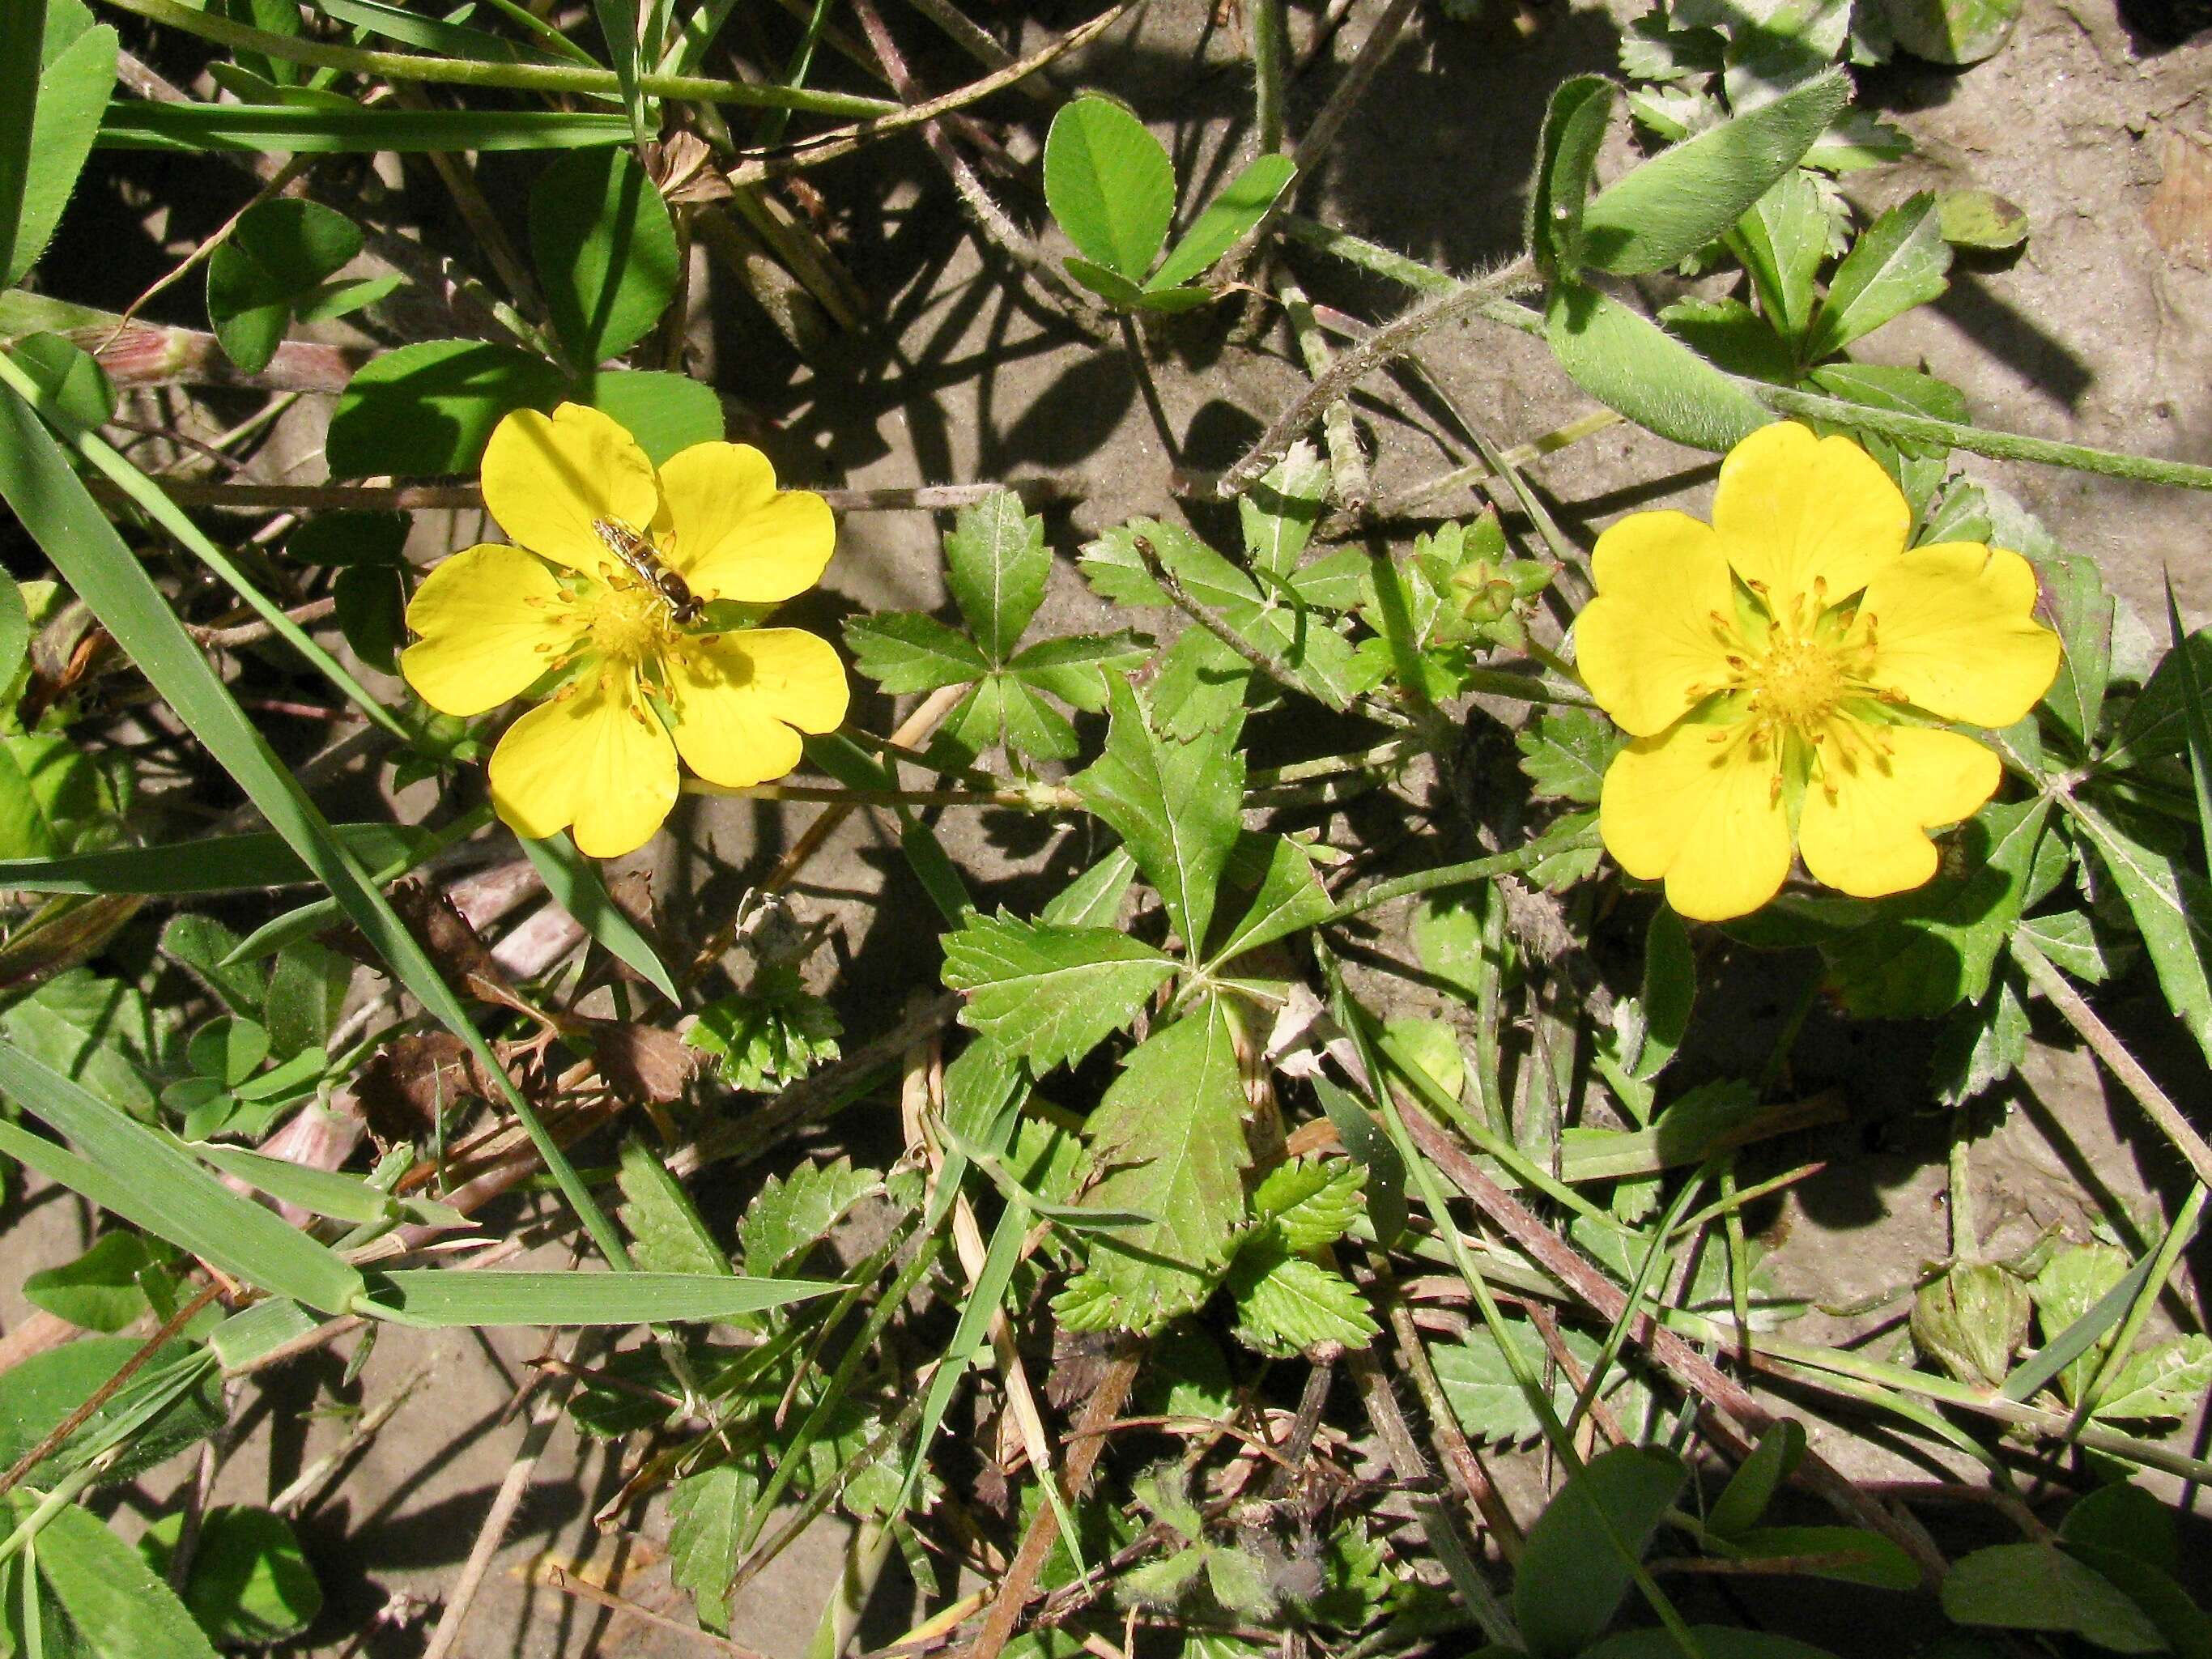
(1705,815)
(548,480)
(739,695)
(1953,631)
(728,533)
(1791,509)
(1647,646)
(596,758)
(492,619)
(1867,841)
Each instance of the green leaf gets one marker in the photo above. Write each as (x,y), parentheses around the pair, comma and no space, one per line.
(2040,1587)
(48,794)
(372,607)
(904,651)
(95,1031)
(2164,1382)
(1051,995)
(708,1518)
(2194,716)
(2157,723)
(995,566)
(1486,1396)
(427,409)
(321,1192)
(1674,203)
(1178,805)
(2172,911)
(1951,31)
(1720,1642)
(2127,1519)
(1110,183)
(118,1608)
(438,1297)
(142,1177)
(1168,1140)
(1565,751)
(14,637)
(604,249)
(792,1213)
(1897,263)
(1033,726)
(665,412)
(80,391)
(37,1394)
(772,1036)
(1924,952)
(1310,1203)
(2185,1627)
(307,986)
(666,1235)
(1899,391)
(2071,940)
(1242,202)
(2081,1294)
(574,884)
(1109,286)
(1670,992)
(99,1291)
(1784,237)
(228,1049)
(1982,1043)
(1575,122)
(48,135)
(1583,1548)
(1290,897)
(249,1584)
(2076,603)
(1753,1487)
(1075,668)
(277,253)
(1278,512)
(1631,365)
(1286,1303)
(1869,1558)
(280,129)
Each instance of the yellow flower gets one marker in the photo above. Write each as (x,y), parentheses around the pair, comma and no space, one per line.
(611,562)
(1782,671)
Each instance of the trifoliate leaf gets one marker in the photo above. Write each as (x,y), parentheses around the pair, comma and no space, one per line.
(1177,804)
(792,1214)
(1169,1138)
(1050,993)
(773,1037)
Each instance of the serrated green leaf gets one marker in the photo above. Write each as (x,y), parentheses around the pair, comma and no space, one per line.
(666,1235)
(1981,1044)
(1278,512)
(48,794)
(1178,805)
(665,412)
(1110,183)
(1484,1394)
(2164,1382)
(2069,940)
(1033,726)
(774,1035)
(1050,993)
(2074,1283)
(2172,909)
(2157,724)
(1564,751)
(1784,237)
(1075,669)
(1242,202)
(1290,897)
(995,566)
(904,651)
(606,253)
(1169,1141)
(1629,364)
(707,1515)
(1899,261)
(1311,1203)
(1670,206)
(794,1212)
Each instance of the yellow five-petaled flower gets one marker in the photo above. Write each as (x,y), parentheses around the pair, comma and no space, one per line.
(1782,670)
(606,550)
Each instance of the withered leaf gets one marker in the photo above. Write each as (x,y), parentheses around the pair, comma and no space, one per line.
(412,1079)
(642,1062)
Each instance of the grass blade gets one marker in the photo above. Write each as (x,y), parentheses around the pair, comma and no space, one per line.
(284,130)
(2192,711)
(55,507)
(432,1296)
(574,881)
(135,1173)
(220,864)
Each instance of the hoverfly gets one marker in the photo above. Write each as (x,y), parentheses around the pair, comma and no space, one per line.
(644,562)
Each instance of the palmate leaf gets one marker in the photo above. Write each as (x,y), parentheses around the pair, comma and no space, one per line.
(1286,1303)
(1290,897)
(905,651)
(1050,993)
(1309,1202)
(1168,1140)
(1074,669)
(1177,805)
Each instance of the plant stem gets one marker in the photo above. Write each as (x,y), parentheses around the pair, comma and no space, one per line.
(1047,490)
(470,72)
(1513,863)
(1032,798)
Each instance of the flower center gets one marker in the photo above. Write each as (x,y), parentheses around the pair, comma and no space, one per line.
(626,624)
(1798,683)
